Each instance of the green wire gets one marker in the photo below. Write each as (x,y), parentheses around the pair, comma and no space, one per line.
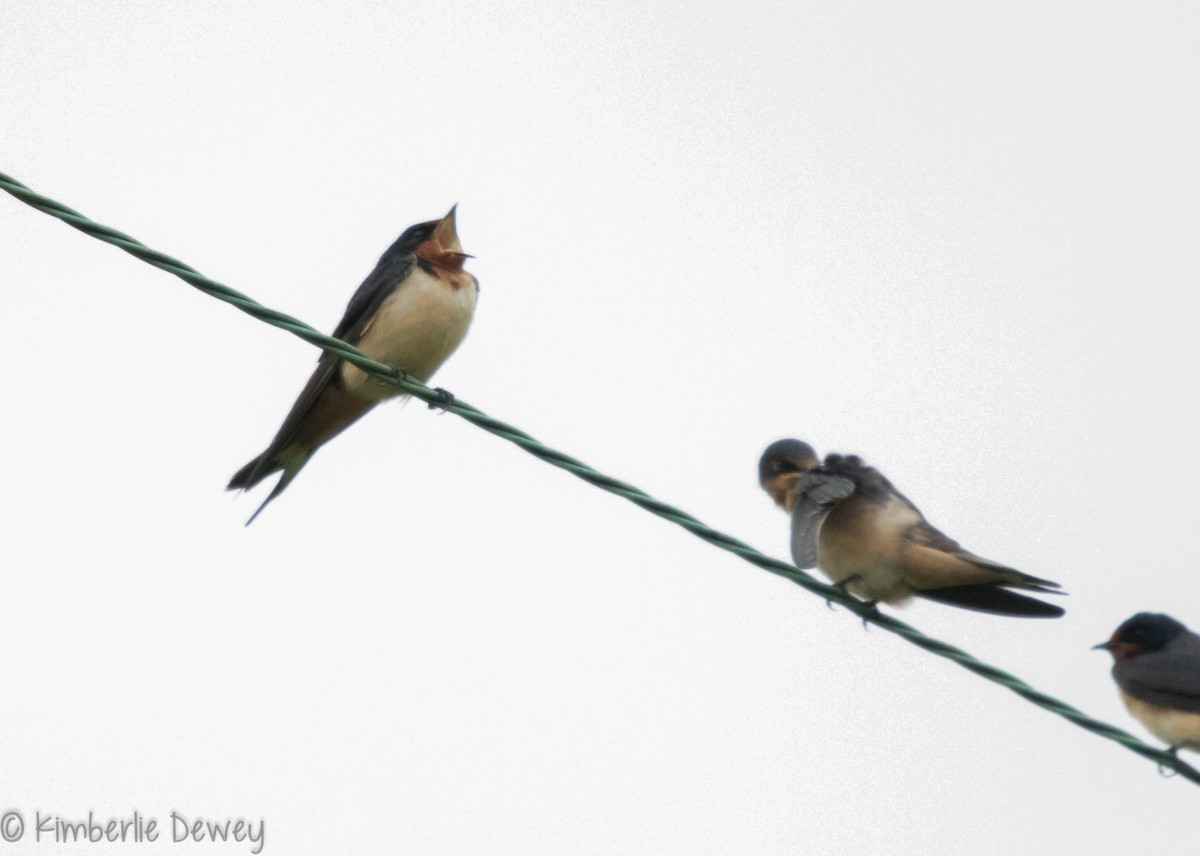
(447,402)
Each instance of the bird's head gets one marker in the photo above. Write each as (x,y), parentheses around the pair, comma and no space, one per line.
(1141,634)
(437,243)
(782,465)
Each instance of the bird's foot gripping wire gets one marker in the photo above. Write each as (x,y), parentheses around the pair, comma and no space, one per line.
(870,610)
(870,607)
(1165,771)
(843,585)
(445,397)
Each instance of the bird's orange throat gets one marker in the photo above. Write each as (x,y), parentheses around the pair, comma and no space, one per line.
(1124,650)
(781,489)
(446,264)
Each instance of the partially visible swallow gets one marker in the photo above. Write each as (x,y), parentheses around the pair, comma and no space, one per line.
(849,521)
(1157,670)
(411,312)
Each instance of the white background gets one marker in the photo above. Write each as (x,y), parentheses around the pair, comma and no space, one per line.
(960,241)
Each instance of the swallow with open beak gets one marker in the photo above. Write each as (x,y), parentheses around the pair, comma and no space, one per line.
(1156,664)
(411,312)
(849,521)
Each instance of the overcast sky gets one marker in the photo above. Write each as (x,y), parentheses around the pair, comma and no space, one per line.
(963,242)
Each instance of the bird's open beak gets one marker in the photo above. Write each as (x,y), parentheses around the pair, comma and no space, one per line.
(446,232)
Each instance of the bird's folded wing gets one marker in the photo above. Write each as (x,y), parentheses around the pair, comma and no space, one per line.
(1169,680)
(375,289)
(930,568)
(816,494)
(360,312)
(935,560)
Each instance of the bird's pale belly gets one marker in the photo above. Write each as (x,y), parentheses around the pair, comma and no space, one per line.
(1174,727)
(416,329)
(877,579)
(864,546)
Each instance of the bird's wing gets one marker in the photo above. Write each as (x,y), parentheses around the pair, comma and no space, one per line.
(1166,678)
(816,494)
(930,536)
(388,274)
(375,289)
(360,312)
(933,559)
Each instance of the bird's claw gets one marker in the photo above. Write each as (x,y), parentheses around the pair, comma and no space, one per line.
(870,610)
(842,585)
(445,397)
(1165,771)
(870,607)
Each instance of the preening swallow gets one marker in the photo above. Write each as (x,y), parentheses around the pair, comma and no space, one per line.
(1157,670)
(849,521)
(411,312)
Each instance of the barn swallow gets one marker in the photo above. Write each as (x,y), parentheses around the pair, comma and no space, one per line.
(411,312)
(1156,664)
(849,521)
